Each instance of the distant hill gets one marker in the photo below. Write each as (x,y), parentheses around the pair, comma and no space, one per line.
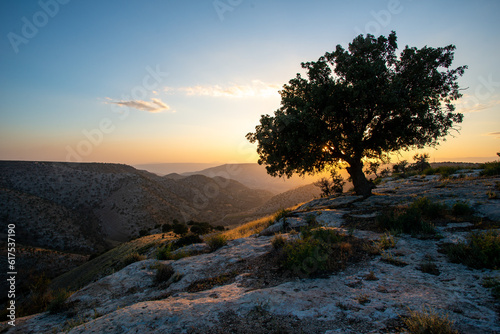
(86,207)
(255,176)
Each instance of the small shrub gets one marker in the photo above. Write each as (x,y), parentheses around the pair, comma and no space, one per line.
(428,321)
(305,257)
(180,229)
(429,267)
(216,241)
(187,239)
(386,241)
(164,253)
(58,303)
(481,250)
(494,285)
(490,168)
(492,195)
(371,276)
(283,213)
(391,259)
(163,273)
(363,299)
(131,258)
(460,209)
(429,209)
(278,241)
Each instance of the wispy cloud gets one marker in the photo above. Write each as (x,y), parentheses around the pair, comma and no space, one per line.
(256,89)
(155,106)
(494,134)
(469,104)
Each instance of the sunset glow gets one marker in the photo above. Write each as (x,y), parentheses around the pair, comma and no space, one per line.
(153,81)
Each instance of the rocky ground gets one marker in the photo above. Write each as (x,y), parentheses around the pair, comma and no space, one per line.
(240,289)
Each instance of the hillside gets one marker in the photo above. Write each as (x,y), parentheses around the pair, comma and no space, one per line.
(255,176)
(86,207)
(344,264)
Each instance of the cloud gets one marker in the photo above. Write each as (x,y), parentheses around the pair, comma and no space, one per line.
(469,104)
(494,134)
(256,89)
(155,106)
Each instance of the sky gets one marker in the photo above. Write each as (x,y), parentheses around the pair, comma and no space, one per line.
(170,81)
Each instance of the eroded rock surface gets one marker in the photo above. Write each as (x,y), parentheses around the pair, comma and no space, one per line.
(370,296)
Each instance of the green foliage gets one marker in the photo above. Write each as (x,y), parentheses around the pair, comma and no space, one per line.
(283,213)
(164,253)
(414,218)
(216,241)
(428,266)
(421,162)
(428,209)
(481,250)
(131,258)
(58,303)
(444,171)
(278,241)
(360,103)
(165,228)
(187,239)
(163,273)
(179,228)
(386,241)
(329,187)
(461,209)
(490,168)
(428,322)
(317,251)
(493,284)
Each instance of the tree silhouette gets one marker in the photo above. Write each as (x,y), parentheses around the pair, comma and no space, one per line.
(360,103)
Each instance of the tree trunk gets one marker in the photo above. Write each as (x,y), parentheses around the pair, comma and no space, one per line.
(362,186)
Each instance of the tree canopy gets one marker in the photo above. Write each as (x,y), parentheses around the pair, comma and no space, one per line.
(360,103)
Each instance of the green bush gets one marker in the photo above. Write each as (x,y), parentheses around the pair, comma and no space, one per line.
(460,209)
(216,241)
(163,273)
(410,219)
(317,251)
(428,209)
(187,239)
(278,241)
(490,168)
(58,303)
(283,213)
(131,258)
(164,253)
(481,250)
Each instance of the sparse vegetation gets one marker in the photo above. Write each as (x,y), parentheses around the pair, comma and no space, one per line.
(371,276)
(490,168)
(428,321)
(391,258)
(461,209)
(216,241)
(318,251)
(131,258)
(253,227)
(58,303)
(278,241)
(186,240)
(163,273)
(405,220)
(481,250)
(493,284)
(329,187)
(386,241)
(428,266)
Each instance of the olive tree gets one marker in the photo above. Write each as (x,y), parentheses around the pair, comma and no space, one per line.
(361,103)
